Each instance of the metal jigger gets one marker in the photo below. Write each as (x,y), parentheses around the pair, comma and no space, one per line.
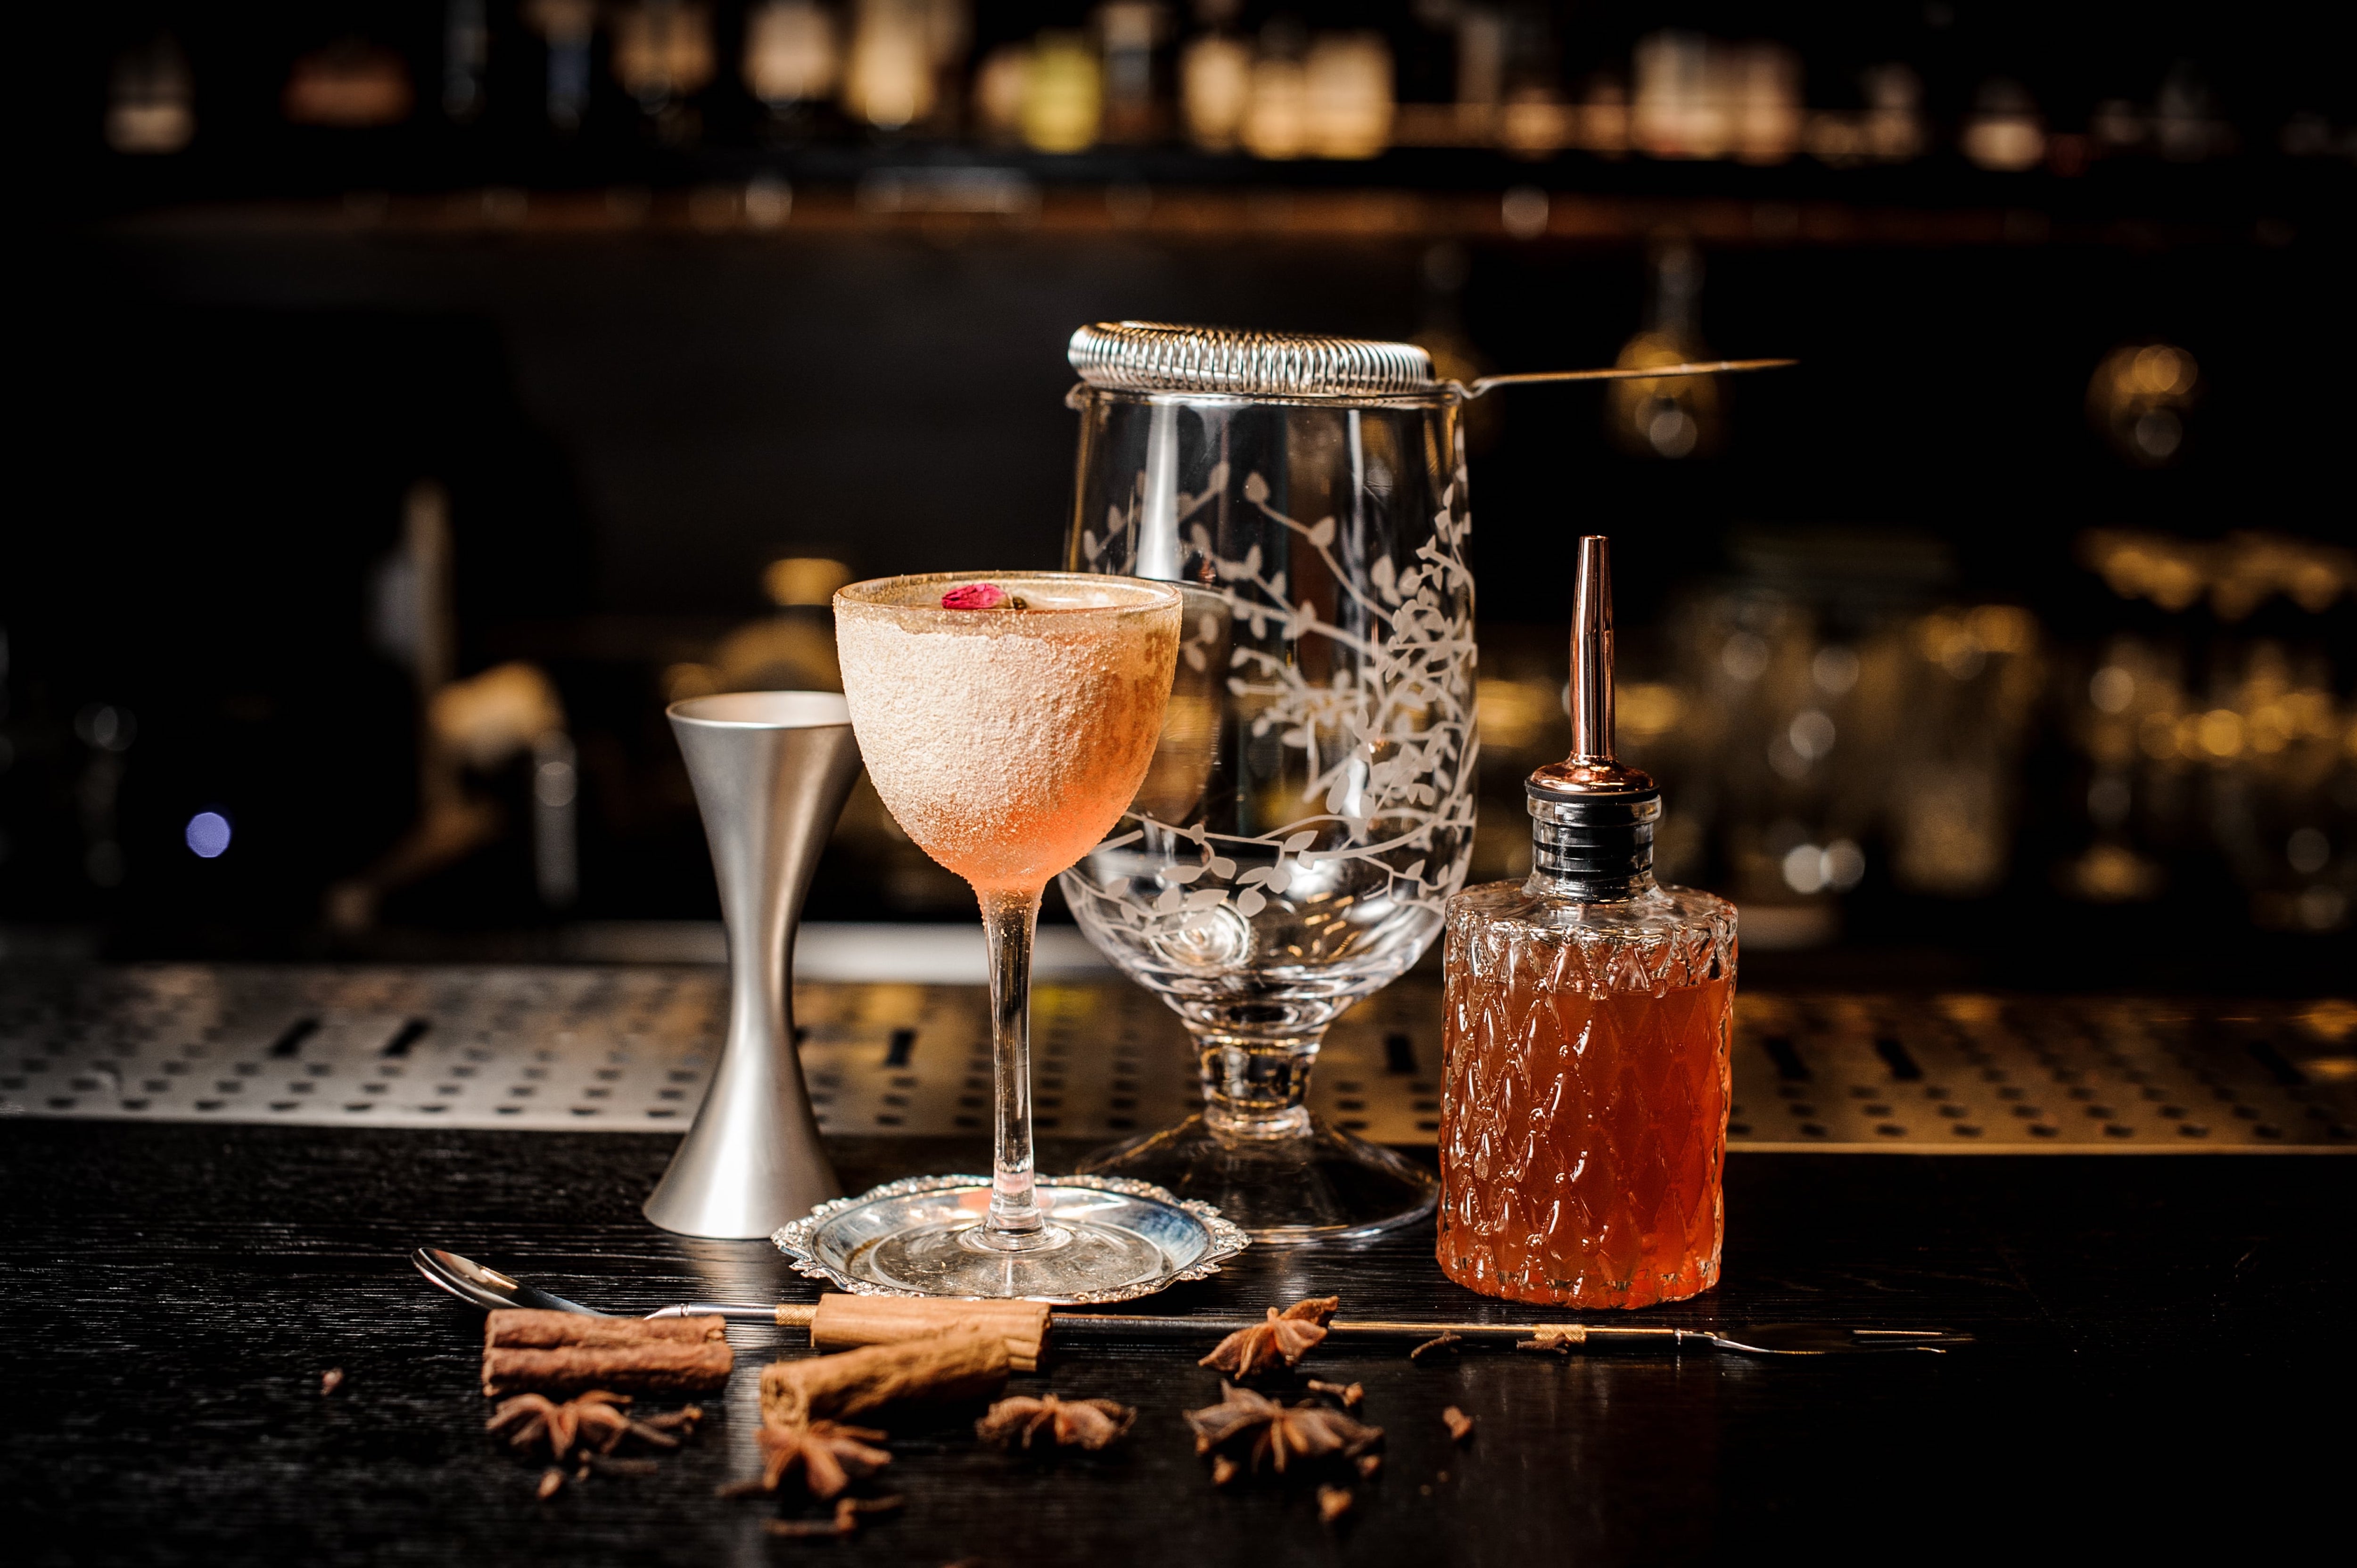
(771,772)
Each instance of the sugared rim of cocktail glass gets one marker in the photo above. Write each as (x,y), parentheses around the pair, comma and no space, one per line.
(917,599)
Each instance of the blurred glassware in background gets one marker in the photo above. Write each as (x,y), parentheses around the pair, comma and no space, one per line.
(2226,749)
(1676,416)
(350,84)
(467,731)
(2138,398)
(151,104)
(1311,803)
(2235,575)
(1822,714)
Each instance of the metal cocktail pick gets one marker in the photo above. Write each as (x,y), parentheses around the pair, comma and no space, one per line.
(771,772)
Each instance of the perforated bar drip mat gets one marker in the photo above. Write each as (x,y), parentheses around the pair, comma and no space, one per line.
(629,1049)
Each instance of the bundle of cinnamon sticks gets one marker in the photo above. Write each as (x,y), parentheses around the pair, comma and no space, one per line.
(565,1352)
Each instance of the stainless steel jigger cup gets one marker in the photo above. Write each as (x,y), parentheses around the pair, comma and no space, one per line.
(771,772)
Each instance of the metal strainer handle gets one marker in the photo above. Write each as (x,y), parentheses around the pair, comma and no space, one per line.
(1644,373)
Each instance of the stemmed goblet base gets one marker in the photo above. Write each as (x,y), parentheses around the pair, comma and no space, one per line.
(1316,1183)
(1257,1153)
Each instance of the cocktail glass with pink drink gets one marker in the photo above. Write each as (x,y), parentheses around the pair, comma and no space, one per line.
(1007,719)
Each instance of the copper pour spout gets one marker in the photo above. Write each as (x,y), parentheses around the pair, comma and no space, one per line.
(1594,767)
(1591,653)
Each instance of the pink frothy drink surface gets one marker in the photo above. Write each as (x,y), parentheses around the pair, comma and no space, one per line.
(1006,742)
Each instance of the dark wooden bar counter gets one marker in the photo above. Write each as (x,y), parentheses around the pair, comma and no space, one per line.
(2157,1363)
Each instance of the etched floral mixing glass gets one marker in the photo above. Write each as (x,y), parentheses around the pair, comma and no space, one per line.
(1310,805)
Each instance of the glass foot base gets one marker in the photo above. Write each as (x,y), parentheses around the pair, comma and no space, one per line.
(1320,1184)
(950,1258)
(1106,1240)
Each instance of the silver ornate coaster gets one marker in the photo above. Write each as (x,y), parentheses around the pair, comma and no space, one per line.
(863,1244)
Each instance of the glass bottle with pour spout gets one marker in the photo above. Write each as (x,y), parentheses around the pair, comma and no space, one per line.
(1585,1037)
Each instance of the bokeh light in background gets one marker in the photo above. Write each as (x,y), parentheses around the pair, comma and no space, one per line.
(207,835)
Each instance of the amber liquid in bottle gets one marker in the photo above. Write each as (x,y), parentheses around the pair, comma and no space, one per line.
(1583,1127)
(1584,1085)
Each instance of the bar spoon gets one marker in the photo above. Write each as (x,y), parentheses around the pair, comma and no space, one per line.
(488,1288)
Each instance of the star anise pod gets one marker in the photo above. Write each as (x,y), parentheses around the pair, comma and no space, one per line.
(1277,1434)
(1288,1335)
(1068,1424)
(530,1419)
(831,1456)
(596,1420)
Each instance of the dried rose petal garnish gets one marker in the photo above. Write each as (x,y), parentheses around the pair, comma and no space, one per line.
(974,597)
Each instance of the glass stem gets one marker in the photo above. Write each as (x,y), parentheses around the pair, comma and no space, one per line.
(1009,921)
(1255,1084)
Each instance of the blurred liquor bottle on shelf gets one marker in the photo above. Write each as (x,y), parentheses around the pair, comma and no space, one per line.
(1292,94)
(1349,105)
(1888,129)
(905,63)
(466,57)
(1131,36)
(350,84)
(151,101)
(1702,98)
(1675,417)
(793,58)
(2186,123)
(2005,132)
(1532,120)
(1481,85)
(1276,113)
(663,58)
(567,28)
(1063,93)
(1215,76)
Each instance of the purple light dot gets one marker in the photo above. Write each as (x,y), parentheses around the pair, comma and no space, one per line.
(208,834)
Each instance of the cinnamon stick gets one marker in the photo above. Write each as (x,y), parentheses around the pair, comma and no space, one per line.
(959,1365)
(564,1352)
(522,1328)
(848,1322)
